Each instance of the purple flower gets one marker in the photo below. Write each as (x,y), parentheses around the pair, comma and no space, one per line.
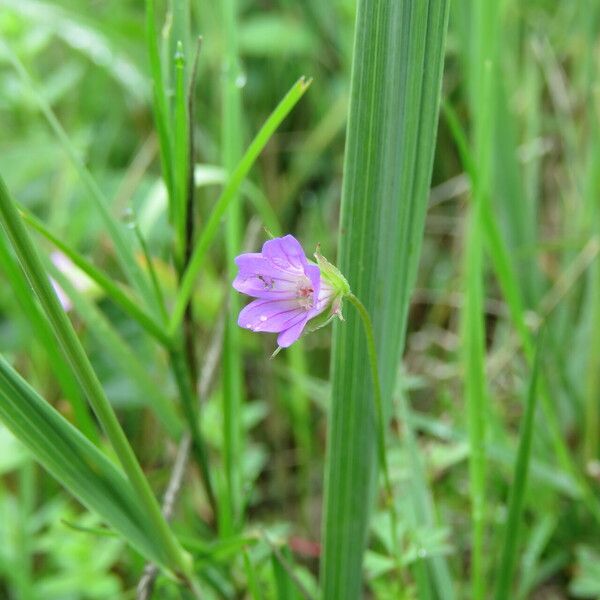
(289,290)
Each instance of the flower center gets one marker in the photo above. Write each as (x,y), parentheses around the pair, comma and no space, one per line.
(304,293)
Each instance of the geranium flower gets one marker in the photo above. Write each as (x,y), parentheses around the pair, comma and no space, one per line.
(290,290)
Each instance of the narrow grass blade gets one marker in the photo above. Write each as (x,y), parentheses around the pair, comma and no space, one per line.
(507,278)
(161,108)
(124,300)
(83,370)
(252,583)
(228,195)
(181,163)
(422,501)
(396,75)
(75,462)
(43,332)
(233,392)
(518,487)
(476,395)
(123,355)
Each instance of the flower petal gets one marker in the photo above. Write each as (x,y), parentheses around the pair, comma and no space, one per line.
(272,316)
(254,263)
(314,274)
(285,252)
(291,334)
(263,286)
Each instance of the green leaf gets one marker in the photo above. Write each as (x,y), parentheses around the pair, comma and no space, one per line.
(123,354)
(73,351)
(396,76)
(43,332)
(74,461)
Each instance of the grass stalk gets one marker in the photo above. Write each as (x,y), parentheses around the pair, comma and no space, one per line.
(233,394)
(476,398)
(182,160)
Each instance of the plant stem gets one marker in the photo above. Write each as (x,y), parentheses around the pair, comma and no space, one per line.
(380,421)
(233,383)
(183,379)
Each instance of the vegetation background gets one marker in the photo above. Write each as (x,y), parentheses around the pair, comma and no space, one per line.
(494,462)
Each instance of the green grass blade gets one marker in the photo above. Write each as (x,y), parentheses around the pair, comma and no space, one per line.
(397,66)
(181,159)
(161,108)
(422,499)
(507,278)
(104,281)
(122,353)
(88,380)
(123,246)
(233,392)
(518,488)
(43,333)
(76,463)
(476,396)
(228,195)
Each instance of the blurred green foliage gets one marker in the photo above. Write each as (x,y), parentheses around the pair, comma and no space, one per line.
(89,62)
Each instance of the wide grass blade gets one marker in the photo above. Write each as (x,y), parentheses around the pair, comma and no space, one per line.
(397,66)
(75,462)
(518,487)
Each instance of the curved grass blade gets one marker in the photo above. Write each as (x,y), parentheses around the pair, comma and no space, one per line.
(104,281)
(122,353)
(88,380)
(228,195)
(75,462)
(43,333)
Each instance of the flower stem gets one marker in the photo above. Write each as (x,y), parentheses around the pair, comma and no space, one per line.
(380,421)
